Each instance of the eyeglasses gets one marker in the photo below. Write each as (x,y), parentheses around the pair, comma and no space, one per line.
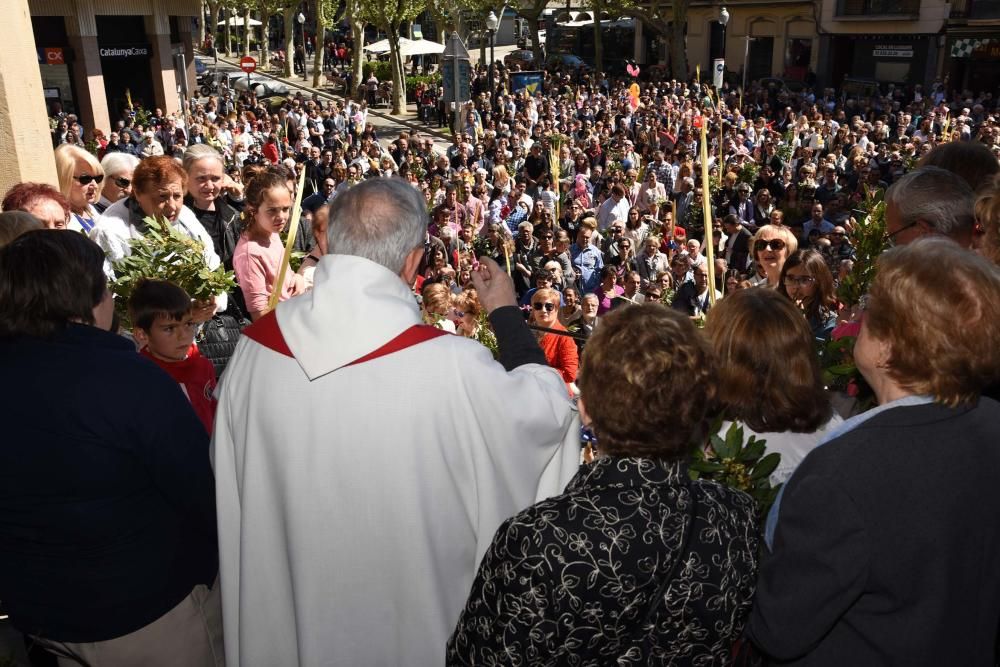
(549,307)
(119,181)
(891,238)
(770,244)
(799,281)
(546,237)
(87,179)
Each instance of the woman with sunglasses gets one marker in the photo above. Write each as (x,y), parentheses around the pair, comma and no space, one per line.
(771,247)
(118,168)
(807,281)
(80,178)
(560,351)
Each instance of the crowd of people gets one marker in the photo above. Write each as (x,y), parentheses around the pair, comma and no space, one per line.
(377,491)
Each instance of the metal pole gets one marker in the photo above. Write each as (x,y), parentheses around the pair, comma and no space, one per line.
(492,61)
(305,58)
(746,61)
(455,97)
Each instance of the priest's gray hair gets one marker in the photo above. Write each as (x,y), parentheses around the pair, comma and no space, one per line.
(939,197)
(381,219)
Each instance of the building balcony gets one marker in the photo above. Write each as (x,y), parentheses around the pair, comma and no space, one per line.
(975,9)
(869,9)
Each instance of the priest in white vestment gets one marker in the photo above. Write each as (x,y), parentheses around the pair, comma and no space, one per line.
(359,483)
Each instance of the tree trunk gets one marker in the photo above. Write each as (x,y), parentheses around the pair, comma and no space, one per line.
(598,42)
(678,48)
(246,31)
(398,80)
(536,44)
(265,36)
(201,24)
(288,16)
(357,57)
(320,50)
(213,24)
(227,33)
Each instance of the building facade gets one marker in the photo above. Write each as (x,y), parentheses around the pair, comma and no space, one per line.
(972,47)
(98,57)
(888,41)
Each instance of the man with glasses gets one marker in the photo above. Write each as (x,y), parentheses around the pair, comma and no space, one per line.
(929,201)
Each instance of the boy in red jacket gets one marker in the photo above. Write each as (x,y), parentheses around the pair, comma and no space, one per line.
(164,327)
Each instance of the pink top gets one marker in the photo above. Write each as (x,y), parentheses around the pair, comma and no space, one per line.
(256,265)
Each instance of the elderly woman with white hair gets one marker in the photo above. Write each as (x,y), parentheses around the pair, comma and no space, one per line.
(118,168)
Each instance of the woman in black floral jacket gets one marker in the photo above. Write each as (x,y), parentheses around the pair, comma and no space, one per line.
(634,564)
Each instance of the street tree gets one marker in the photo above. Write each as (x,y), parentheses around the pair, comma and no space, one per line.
(669,18)
(389,16)
(531,11)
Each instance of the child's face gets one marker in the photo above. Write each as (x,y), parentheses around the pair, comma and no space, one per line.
(273,214)
(169,339)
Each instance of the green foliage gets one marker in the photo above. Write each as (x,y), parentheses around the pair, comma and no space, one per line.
(737,464)
(163,253)
(142,115)
(485,335)
(869,241)
(840,372)
(428,80)
(748,172)
(381,68)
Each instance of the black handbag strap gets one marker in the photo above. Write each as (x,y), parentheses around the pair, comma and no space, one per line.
(661,590)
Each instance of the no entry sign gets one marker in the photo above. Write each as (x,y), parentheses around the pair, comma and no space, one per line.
(248,64)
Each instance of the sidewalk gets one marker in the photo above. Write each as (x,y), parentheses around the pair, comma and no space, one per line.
(389,126)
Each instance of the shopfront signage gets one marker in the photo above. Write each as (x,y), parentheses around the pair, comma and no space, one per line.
(129,51)
(893,51)
(51,56)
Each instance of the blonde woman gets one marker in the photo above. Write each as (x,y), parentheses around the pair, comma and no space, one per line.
(771,246)
(80,178)
(502,179)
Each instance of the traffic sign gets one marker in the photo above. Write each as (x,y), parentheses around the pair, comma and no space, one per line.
(718,70)
(248,64)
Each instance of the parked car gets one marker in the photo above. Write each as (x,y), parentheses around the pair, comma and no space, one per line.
(262,86)
(199,67)
(566,61)
(523,58)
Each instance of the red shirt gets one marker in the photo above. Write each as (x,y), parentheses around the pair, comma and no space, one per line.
(196,376)
(561,354)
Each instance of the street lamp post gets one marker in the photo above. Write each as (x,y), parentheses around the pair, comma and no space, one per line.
(302,26)
(723,21)
(746,59)
(491,26)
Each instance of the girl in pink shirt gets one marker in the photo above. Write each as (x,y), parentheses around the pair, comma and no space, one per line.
(258,254)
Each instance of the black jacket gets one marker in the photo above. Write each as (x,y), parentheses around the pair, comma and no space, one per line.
(569,580)
(887,545)
(107,499)
(222,224)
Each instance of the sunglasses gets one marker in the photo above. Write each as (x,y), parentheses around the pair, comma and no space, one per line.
(773,244)
(121,182)
(87,179)
(549,307)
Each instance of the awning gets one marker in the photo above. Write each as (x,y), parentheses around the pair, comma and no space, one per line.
(237,21)
(964,48)
(407,47)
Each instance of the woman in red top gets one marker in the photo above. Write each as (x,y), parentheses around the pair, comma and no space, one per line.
(560,351)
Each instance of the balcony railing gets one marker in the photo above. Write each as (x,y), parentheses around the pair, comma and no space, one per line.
(879,8)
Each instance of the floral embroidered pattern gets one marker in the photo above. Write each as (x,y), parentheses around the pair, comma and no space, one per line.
(569,580)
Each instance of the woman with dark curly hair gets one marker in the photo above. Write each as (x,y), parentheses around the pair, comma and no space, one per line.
(634,563)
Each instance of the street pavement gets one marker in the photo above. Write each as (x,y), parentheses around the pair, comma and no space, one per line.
(389,126)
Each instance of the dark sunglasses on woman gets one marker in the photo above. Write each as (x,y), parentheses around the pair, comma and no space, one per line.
(87,179)
(772,244)
(549,307)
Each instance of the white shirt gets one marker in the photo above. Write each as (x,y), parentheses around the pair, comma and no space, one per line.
(355,502)
(611,210)
(793,447)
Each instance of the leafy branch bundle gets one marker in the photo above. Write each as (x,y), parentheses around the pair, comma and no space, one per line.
(739,465)
(163,253)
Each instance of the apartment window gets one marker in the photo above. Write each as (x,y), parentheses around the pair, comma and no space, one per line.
(878,7)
